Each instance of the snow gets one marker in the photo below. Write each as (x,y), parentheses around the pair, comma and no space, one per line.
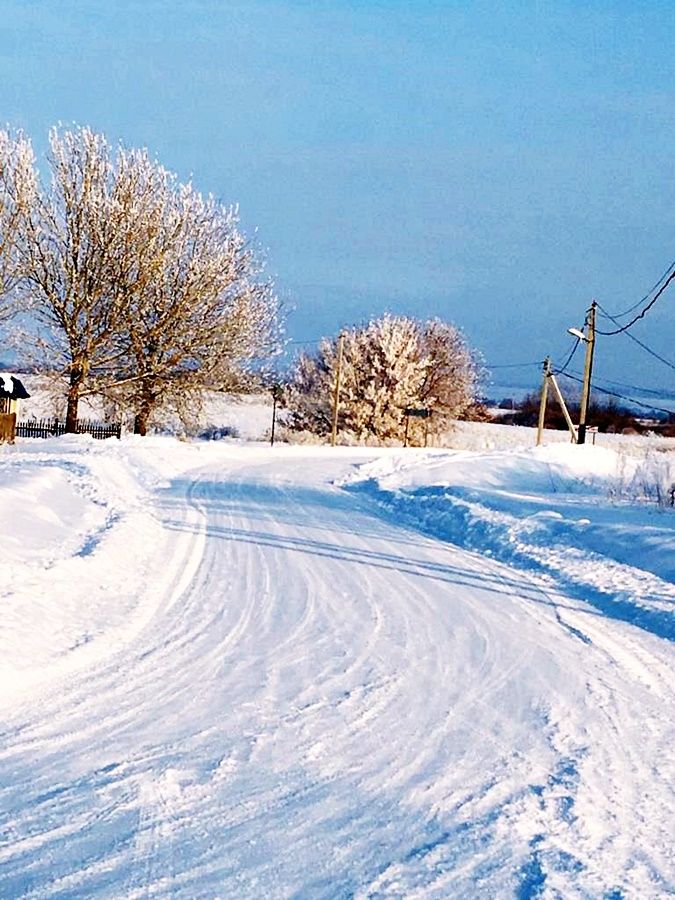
(234,670)
(249,417)
(223,415)
(560,511)
(6,383)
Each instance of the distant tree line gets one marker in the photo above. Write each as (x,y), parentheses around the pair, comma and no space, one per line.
(607,415)
(143,290)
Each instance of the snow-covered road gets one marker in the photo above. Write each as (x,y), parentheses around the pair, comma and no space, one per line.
(321,701)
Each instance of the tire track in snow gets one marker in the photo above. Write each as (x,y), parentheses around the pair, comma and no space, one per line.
(334,705)
(366,712)
(67,723)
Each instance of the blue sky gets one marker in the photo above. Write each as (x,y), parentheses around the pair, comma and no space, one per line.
(496,164)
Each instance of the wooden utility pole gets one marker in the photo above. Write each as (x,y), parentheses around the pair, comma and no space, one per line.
(588,369)
(277,394)
(563,406)
(336,394)
(544,398)
(274,419)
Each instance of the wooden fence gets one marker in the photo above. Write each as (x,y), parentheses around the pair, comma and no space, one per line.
(7,428)
(45,428)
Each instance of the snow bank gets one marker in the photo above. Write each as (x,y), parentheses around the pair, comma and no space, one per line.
(567,515)
(478,436)
(79,539)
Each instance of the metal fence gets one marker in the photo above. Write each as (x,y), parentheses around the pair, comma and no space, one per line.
(45,428)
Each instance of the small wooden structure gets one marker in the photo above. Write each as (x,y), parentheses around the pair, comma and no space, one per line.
(11,392)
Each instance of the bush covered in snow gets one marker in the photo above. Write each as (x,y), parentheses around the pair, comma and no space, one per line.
(390,364)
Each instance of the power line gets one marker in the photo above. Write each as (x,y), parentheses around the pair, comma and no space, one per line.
(561,371)
(650,351)
(655,392)
(643,299)
(642,313)
(668,412)
(637,340)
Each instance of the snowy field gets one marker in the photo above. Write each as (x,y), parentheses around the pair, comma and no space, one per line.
(244,416)
(249,416)
(234,671)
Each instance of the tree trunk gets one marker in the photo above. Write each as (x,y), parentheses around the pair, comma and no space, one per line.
(143,412)
(76,379)
(141,423)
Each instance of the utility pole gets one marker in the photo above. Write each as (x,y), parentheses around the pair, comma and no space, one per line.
(544,398)
(336,394)
(563,406)
(588,369)
(277,393)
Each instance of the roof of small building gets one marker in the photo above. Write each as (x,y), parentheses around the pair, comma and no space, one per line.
(12,388)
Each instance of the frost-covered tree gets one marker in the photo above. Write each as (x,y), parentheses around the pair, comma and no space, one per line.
(388,365)
(71,253)
(17,195)
(145,290)
(382,375)
(452,372)
(204,312)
